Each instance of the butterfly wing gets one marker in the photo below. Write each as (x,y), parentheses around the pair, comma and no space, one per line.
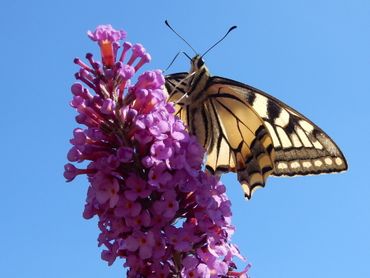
(240,140)
(233,133)
(301,147)
(176,85)
(252,133)
(195,117)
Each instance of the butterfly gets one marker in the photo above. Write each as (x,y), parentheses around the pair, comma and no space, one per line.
(247,131)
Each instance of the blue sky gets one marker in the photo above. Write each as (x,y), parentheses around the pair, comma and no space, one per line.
(313,55)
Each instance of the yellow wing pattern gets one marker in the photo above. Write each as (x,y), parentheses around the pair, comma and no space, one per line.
(247,131)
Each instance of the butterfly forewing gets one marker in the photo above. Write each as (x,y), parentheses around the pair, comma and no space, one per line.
(301,147)
(176,89)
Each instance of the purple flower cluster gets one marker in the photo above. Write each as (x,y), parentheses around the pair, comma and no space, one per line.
(157,209)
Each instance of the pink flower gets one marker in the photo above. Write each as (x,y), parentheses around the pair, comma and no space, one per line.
(110,255)
(106,189)
(155,206)
(140,221)
(106,32)
(199,271)
(144,242)
(70,171)
(158,175)
(167,206)
(136,188)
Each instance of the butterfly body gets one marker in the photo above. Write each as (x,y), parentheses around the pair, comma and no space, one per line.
(199,78)
(247,131)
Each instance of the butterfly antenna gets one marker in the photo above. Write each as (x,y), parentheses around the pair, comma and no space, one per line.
(173,60)
(220,40)
(173,30)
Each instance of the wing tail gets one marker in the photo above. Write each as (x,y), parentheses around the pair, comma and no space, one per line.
(259,165)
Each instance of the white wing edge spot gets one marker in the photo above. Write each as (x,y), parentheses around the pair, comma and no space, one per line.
(295,165)
(338,161)
(282,165)
(328,161)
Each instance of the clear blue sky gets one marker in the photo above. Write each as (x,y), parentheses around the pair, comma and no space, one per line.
(314,55)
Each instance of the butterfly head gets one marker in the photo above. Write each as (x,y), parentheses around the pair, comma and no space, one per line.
(198,65)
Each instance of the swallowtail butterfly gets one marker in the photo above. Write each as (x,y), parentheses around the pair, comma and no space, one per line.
(247,131)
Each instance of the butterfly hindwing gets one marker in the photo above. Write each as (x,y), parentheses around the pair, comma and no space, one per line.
(230,129)
(243,144)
